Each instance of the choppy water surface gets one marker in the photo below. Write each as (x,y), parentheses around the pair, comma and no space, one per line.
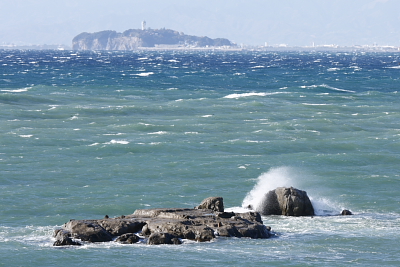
(84,134)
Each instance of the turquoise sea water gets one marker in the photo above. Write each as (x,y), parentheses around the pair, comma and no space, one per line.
(84,134)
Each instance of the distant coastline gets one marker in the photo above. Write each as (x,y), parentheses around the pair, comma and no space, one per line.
(272,48)
(35,47)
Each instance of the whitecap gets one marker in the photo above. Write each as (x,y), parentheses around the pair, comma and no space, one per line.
(336,89)
(94,144)
(312,104)
(145,124)
(206,116)
(73,118)
(114,134)
(144,74)
(159,132)
(245,95)
(333,69)
(17,90)
(26,135)
(327,87)
(121,142)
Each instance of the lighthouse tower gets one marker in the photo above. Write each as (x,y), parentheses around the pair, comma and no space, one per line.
(143,25)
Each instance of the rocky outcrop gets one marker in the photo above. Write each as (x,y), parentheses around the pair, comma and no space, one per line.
(166,226)
(132,39)
(286,201)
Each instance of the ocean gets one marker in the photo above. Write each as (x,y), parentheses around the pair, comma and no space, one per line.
(89,133)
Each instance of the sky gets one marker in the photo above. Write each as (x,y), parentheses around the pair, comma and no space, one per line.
(248,22)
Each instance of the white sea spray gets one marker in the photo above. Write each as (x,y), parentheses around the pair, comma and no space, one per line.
(275,177)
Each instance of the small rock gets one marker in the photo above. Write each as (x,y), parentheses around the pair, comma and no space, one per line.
(212,203)
(128,239)
(346,212)
(159,239)
(286,201)
(63,238)
(205,234)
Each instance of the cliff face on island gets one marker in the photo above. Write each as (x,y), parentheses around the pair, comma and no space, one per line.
(134,38)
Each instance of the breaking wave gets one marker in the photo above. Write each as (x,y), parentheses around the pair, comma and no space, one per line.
(286,177)
(275,177)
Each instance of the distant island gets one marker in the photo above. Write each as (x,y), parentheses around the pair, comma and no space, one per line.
(144,38)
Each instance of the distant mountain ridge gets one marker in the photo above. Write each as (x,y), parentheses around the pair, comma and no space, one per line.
(135,38)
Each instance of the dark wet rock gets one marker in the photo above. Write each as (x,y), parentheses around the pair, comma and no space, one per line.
(346,212)
(212,203)
(63,238)
(128,239)
(286,201)
(204,234)
(251,216)
(163,238)
(176,241)
(227,230)
(87,230)
(160,239)
(254,231)
(117,227)
(226,214)
(169,226)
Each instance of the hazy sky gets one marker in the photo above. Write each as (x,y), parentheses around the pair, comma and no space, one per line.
(252,22)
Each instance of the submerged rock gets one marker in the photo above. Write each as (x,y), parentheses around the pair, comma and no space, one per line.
(286,201)
(167,226)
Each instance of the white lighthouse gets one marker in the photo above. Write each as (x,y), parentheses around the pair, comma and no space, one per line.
(143,25)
